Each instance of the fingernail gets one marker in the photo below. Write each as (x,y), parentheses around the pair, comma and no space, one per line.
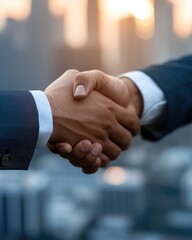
(80,90)
(96,150)
(65,149)
(85,147)
(98,161)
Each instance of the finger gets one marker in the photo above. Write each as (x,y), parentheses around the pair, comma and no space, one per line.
(111,149)
(121,136)
(104,160)
(57,148)
(69,74)
(109,86)
(89,159)
(81,149)
(90,80)
(93,168)
(128,118)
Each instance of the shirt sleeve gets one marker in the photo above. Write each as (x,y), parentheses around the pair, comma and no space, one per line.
(45,118)
(153,97)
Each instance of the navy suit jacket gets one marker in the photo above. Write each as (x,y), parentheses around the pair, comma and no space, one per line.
(175,80)
(19,128)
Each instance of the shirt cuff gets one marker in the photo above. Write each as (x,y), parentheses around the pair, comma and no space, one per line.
(153,97)
(45,118)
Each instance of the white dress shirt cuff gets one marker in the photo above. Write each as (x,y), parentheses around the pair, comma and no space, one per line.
(45,118)
(153,97)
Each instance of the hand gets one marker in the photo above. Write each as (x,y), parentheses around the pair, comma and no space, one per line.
(84,154)
(113,88)
(120,90)
(95,118)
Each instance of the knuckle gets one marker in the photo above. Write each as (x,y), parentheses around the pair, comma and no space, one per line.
(110,125)
(115,153)
(134,123)
(97,72)
(81,78)
(104,137)
(126,141)
(126,145)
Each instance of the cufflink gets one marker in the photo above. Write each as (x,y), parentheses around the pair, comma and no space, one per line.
(5,160)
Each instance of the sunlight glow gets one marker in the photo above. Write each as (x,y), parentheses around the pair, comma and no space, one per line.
(182,17)
(57,7)
(115,176)
(117,9)
(144,19)
(75,20)
(111,12)
(15,9)
(141,9)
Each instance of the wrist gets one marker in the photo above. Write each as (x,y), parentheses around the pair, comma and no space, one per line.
(135,95)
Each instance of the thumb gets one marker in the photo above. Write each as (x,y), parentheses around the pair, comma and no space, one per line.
(85,83)
(109,86)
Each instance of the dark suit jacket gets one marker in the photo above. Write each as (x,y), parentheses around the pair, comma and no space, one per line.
(175,79)
(19,128)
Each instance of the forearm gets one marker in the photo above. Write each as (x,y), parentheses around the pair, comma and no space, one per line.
(174,78)
(166,90)
(19,129)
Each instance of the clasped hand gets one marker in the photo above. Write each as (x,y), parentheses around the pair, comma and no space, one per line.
(95,117)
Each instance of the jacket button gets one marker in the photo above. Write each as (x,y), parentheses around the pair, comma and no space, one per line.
(5,160)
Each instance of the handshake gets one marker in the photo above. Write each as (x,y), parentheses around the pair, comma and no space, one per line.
(95,117)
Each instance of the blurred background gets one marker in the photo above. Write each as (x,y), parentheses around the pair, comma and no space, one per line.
(147,193)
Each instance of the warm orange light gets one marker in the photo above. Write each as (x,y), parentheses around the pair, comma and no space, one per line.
(57,7)
(144,19)
(75,20)
(182,17)
(145,27)
(142,9)
(117,8)
(115,175)
(15,9)
(111,12)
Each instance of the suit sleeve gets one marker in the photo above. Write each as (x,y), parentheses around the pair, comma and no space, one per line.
(19,128)
(175,80)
